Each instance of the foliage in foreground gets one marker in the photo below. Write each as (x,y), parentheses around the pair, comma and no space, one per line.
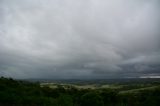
(22,93)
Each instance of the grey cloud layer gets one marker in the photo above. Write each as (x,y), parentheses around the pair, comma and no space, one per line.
(79,39)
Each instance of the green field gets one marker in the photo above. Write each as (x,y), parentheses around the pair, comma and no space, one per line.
(120,87)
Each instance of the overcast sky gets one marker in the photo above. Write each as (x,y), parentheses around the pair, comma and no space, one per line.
(79,38)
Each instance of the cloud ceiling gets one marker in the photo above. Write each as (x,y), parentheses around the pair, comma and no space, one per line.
(79,38)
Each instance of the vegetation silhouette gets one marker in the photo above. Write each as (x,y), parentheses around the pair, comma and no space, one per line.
(23,93)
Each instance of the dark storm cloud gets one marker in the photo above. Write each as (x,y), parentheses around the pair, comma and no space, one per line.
(79,39)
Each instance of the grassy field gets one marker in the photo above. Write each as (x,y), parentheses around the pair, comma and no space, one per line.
(122,88)
(137,90)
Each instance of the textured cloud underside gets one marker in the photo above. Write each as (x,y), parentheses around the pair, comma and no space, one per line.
(79,39)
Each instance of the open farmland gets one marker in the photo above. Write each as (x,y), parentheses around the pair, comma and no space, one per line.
(132,85)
